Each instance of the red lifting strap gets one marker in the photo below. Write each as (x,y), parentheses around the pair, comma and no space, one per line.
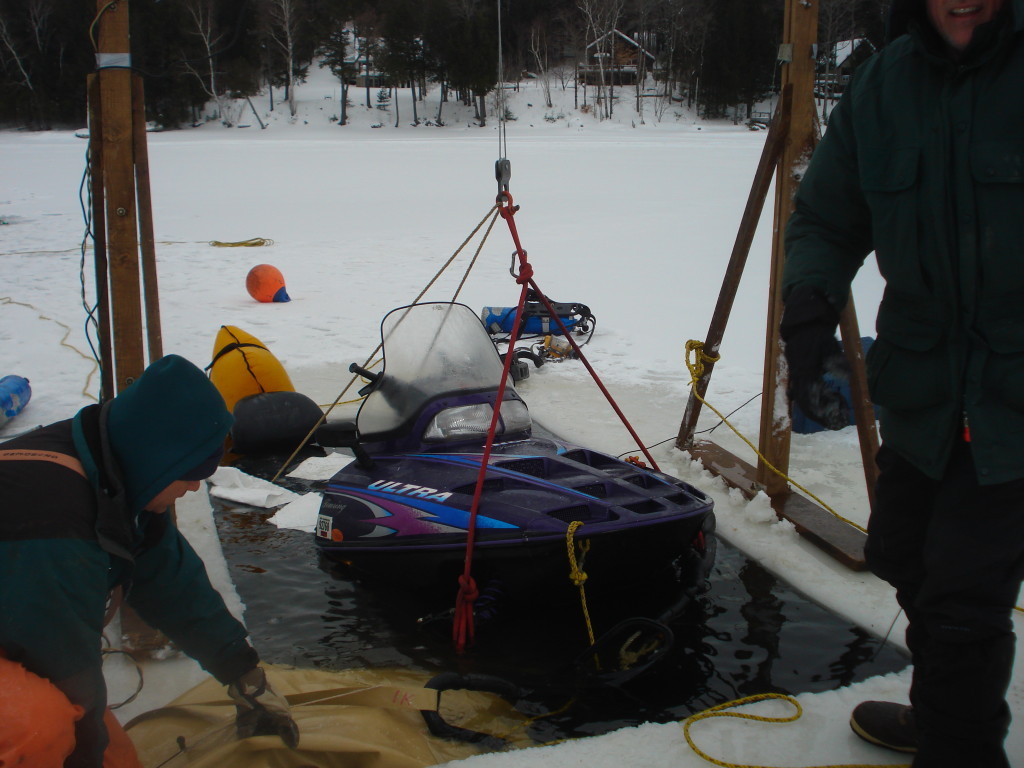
(462,629)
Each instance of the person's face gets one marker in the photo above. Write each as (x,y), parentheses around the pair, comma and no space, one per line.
(170,494)
(955,20)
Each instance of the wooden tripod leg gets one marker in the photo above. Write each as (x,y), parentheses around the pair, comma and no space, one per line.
(773,146)
(147,239)
(863,409)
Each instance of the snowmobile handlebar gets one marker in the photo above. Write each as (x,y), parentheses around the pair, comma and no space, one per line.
(366,374)
(374,378)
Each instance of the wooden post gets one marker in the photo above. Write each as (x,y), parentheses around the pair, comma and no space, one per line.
(863,409)
(835,536)
(149,281)
(113,60)
(121,204)
(797,53)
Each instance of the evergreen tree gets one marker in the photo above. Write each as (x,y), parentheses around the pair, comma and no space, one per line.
(193,52)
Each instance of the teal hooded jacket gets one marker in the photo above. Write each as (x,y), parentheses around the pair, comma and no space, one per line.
(69,537)
(923,163)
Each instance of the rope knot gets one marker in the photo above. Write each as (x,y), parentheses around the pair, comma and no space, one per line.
(696,366)
(525,273)
(468,590)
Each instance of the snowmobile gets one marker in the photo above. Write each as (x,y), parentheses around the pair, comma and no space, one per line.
(402,508)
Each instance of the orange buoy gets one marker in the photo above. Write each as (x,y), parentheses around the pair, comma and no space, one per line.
(265,283)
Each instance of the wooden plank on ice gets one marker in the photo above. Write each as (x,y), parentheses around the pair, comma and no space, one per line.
(834,536)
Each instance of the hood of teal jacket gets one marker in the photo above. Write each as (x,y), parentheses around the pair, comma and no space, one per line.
(164,425)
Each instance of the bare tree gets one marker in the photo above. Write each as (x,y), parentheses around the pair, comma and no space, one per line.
(666,22)
(283,20)
(39,13)
(602,17)
(201,14)
(9,45)
(835,25)
(692,35)
(543,71)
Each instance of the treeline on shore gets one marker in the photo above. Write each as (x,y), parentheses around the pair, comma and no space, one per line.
(193,54)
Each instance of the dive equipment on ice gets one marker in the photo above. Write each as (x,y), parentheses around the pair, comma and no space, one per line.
(536,318)
(15,393)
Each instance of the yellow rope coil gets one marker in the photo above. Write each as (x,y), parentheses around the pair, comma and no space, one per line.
(252,242)
(721,711)
(576,573)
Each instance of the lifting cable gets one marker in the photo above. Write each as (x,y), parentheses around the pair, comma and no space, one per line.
(368,363)
(462,627)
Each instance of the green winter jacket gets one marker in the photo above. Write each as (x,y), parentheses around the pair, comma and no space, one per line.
(68,537)
(923,163)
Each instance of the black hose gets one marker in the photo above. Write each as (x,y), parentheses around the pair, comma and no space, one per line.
(447,681)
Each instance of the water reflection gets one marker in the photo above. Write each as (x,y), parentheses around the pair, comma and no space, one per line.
(751,633)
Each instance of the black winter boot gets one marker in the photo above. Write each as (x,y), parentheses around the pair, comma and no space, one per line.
(886,724)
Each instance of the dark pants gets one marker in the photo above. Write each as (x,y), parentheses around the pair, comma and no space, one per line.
(954,551)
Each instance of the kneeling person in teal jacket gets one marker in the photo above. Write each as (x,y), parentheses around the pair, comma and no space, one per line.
(83,514)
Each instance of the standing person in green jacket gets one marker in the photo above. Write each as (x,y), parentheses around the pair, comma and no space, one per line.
(82,513)
(923,163)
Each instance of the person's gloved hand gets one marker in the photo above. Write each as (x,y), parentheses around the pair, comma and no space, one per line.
(808,330)
(260,711)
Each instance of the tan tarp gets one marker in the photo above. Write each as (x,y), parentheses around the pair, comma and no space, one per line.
(349,719)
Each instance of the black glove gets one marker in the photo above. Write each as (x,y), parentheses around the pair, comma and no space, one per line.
(260,711)
(808,330)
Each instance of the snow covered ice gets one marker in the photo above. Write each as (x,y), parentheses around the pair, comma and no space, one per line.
(634,218)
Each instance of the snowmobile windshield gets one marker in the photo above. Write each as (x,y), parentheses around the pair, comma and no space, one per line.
(433,353)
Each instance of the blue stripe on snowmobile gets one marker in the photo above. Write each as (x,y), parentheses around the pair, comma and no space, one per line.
(453,516)
(509,472)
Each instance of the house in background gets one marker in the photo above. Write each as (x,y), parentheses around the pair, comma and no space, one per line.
(620,58)
(363,72)
(836,65)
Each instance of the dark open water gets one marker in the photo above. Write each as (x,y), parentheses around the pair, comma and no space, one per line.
(750,633)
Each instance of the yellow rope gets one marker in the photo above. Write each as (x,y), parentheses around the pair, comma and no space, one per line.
(721,711)
(63,341)
(76,249)
(696,369)
(576,573)
(252,242)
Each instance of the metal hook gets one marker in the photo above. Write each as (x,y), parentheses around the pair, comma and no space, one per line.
(502,173)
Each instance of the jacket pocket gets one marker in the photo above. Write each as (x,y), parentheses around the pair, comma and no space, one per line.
(1002,327)
(889,179)
(997,168)
(998,162)
(907,365)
